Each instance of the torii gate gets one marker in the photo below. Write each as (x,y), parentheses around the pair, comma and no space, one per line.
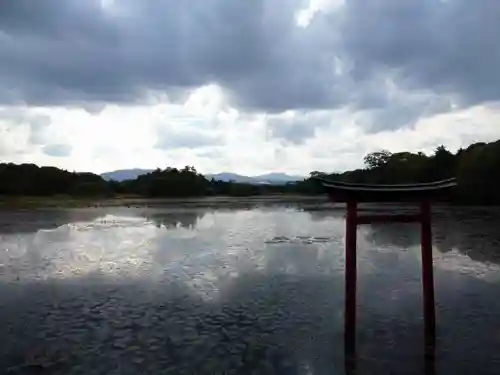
(422,193)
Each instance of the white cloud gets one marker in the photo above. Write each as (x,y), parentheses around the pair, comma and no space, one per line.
(305,16)
(128,136)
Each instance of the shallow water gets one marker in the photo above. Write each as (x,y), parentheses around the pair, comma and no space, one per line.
(258,289)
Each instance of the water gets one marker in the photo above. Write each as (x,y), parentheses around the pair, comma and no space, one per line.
(242,290)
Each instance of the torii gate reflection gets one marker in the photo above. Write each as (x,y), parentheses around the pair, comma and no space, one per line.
(352,194)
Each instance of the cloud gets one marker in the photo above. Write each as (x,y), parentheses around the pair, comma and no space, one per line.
(78,52)
(297,127)
(446,47)
(125,137)
(57,150)
(345,55)
(257,84)
(36,122)
(187,138)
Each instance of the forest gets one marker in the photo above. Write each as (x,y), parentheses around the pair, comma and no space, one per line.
(476,169)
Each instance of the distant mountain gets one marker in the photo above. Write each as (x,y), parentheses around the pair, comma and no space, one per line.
(228,176)
(269,178)
(125,174)
(278,177)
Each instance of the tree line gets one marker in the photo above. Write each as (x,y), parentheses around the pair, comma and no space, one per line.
(475,167)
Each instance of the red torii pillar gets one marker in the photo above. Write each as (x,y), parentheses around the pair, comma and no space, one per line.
(422,193)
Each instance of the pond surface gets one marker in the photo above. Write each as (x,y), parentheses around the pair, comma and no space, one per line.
(242,290)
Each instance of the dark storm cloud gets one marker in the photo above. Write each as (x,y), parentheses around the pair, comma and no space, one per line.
(291,130)
(445,46)
(404,111)
(298,128)
(77,52)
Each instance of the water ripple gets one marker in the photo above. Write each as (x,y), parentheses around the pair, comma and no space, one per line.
(183,291)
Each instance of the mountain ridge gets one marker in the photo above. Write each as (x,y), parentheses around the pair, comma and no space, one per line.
(269,178)
(125,174)
(274,177)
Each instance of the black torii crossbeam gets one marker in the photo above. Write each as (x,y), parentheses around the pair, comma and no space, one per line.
(352,194)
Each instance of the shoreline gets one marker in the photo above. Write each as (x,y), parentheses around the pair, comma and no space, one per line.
(68,202)
(29,202)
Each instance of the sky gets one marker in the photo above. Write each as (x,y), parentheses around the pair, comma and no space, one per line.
(244,86)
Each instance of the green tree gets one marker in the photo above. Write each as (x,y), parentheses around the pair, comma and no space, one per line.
(377,159)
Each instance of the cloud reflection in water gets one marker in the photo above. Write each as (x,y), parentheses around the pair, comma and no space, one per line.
(215,282)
